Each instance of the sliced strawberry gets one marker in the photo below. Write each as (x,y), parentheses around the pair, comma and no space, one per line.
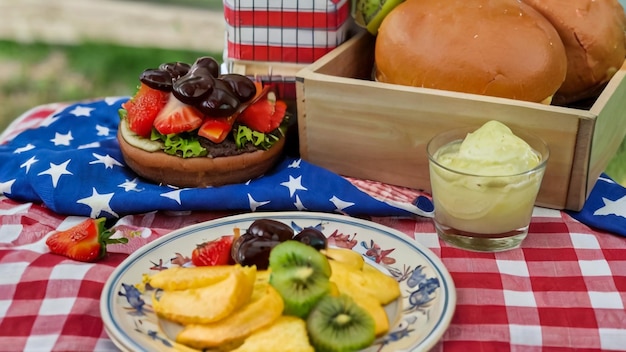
(85,242)
(177,117)
(216,252)
(143,108)
(264,115)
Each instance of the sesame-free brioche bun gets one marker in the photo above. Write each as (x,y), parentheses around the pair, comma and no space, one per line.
(593,34)
(160,167)
(501,48)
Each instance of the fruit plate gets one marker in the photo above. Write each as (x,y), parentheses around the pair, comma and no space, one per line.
(418,318)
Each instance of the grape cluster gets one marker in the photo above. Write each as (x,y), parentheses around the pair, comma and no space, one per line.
(201,85)
(255,245)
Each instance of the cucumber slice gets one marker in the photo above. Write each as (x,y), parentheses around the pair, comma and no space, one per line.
(137,141)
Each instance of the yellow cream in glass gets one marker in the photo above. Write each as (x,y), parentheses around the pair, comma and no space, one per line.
(485,185)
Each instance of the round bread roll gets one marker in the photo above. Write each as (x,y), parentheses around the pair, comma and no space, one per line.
(593,34)
(167,169)
(501,48)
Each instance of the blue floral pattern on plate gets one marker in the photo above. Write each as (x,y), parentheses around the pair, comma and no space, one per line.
(417,319)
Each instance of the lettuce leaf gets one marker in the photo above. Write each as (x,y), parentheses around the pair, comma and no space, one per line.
(261,140)
(184,145)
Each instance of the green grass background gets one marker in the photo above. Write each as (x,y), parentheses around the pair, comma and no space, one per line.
(33,74)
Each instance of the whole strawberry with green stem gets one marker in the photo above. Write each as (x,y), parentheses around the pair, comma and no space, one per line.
(85,242)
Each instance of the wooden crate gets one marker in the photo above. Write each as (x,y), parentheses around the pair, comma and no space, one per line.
(361,128)
(282,75)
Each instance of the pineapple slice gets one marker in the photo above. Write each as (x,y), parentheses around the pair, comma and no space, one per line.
(264,308)
(286,334)
(262,277)
(384,287)
(179,278)
(374,308)
(347,256)
(368,280)
(206,304)
(342,277)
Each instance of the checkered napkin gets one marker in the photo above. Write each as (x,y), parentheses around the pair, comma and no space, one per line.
(563,290)
(71,162)
(49,303)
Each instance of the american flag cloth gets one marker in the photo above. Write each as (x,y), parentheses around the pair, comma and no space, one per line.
(71,162)
(606,207)
(288,31)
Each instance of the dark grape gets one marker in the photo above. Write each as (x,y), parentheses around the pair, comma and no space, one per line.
(157,79)
(200,85)
(313,237)
(251,250)
(175,69)
(243,87)
(209,63)
(234,248)
(195,86)
(220,103)
(270,229)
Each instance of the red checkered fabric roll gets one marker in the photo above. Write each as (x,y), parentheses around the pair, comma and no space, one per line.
(296,31)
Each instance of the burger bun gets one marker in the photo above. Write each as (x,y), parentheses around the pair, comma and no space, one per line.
(502,48)
(159,167)
(595,44)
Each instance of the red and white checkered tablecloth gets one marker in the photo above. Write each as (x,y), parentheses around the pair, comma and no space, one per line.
(564,289)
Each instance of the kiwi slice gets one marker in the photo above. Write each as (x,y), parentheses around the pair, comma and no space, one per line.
(300,274)
(338,324)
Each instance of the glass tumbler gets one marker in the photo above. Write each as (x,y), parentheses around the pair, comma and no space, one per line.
(482,212)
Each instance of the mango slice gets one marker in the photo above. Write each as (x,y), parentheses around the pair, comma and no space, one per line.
(286,334)
(264,308)
(263,277)
(206,304)
(180,278)
(368,280)
(384,287)
(346,256)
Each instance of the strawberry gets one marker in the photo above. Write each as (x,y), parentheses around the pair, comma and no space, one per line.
(216,252)
(177,117)
(143,108)
(85,242)
(265,115)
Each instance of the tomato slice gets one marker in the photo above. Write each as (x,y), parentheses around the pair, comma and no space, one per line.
(216,129)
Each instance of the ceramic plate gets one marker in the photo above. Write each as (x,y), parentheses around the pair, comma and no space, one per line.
(418,318)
